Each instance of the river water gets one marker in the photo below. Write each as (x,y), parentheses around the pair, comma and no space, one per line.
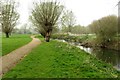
(106,55)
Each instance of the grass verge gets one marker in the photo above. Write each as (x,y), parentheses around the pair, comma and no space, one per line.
(60,60)
(14,42)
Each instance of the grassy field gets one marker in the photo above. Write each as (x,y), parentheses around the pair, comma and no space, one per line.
(60,60)
(14,42)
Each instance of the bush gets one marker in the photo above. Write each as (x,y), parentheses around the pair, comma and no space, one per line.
(71,38)
(105,29)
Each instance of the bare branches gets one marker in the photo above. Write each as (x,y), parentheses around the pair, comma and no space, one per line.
(9,17)
(45,15)
(68,20)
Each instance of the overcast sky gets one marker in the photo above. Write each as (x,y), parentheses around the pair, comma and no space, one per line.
(85,11)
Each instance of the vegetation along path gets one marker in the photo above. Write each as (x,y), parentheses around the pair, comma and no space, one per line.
(60,60)
(11,59)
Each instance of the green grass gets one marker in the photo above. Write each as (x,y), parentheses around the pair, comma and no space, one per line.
(14,42)
(60,60)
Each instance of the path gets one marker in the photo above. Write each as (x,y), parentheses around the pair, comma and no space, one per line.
(8,61)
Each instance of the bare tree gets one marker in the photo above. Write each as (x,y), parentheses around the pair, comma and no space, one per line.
(45,15)
(9,17)
(68,20)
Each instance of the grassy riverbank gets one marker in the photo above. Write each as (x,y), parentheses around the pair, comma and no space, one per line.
(60,60)
(14,42)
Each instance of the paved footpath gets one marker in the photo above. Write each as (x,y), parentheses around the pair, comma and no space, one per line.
(8,61)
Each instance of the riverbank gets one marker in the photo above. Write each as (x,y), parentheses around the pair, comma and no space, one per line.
(61,60)
(88,40)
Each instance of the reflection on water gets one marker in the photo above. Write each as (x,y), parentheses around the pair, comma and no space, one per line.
(107,55)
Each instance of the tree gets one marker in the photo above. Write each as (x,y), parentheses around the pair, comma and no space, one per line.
(78,29)
(45,15)
(68,20)
(105,29)
(24,29)
(9,17)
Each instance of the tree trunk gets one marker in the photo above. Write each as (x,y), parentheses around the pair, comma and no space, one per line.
(47,37)
(43,34)
(7,35)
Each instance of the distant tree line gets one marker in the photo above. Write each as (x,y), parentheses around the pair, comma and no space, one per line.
(77,29)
